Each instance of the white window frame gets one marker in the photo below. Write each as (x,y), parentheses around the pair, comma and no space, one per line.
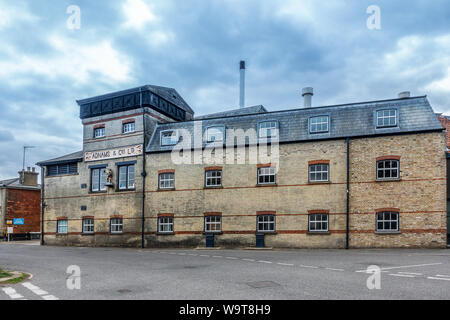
(318,122)
(213,224)
(62,226)
(320,172)
(389,221)
(129,127)
(317,220)
(209,178)
(173,140)
(100,130)
(127,177)
(216,131)
(98,182)
(166,223)
(267,172)
(390,169)
(265,127)
(266,219)
(87,224)
(116,223)
(163,179)
(384,116)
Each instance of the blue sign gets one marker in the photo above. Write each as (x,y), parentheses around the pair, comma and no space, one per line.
(19,221)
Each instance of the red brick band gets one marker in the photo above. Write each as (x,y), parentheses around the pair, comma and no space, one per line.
(98,126)
(388,210)
(116,217)
(266,165)
(388,158)
(209,214)
(263,213)
(128,121)
(318,162)
(164,215)
(166,171)
(213,168)
(318,211)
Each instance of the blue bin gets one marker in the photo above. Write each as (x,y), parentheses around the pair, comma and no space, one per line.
(260,240)
(210,241)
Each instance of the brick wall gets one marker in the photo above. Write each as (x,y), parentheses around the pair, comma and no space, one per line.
(24,204)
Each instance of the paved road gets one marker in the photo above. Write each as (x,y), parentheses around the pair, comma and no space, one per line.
(111,273)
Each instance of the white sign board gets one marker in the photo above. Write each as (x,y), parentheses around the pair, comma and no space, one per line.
(130,151)
(10,230)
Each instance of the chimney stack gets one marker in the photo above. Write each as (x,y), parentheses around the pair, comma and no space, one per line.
(404,95)
(307,94)
(29,177)
(242,85)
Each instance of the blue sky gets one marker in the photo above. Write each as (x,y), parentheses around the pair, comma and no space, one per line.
(195,46)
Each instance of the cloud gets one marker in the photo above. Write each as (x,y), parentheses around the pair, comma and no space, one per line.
(78,62)
(16,14)
(137,14)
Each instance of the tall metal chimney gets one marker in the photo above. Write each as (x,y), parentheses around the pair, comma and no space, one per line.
(242,87)
(307,94)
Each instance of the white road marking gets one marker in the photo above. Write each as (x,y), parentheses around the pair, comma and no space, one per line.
(435,278)
(50,297)
(181,254)
(12,293)
(231,258)
(262,261)
(311,267)
(217,257)
(334,269)
(402,267)
(411,273)
(401,275)
(192,254)
(35,289)
(204,255)
(443,276)
(285,264)
(250,260)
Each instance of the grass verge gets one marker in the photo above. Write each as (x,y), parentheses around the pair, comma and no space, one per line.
(5,274)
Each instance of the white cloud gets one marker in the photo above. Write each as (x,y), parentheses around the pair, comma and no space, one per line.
(71,59)
(137,14)
(10,15)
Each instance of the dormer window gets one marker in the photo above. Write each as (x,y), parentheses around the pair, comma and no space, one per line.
(169,138)
(215,134)
(386,118)
(268,129)
(319,124)
(99,132)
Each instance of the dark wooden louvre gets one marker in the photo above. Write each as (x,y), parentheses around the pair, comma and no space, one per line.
(61,169)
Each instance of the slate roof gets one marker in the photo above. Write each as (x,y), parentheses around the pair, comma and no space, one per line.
(72,157)
(236,112)
(348,120)
(15,183)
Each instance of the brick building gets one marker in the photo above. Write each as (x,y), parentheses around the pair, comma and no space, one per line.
(445,121)
(20,205)
(370,174)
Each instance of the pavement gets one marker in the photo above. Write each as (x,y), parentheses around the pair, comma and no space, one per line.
(137,274)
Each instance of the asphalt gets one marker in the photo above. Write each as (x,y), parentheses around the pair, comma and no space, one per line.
(118,273)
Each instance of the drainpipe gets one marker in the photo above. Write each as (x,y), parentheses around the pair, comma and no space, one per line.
(144,174)
(347,231)
(42,206)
